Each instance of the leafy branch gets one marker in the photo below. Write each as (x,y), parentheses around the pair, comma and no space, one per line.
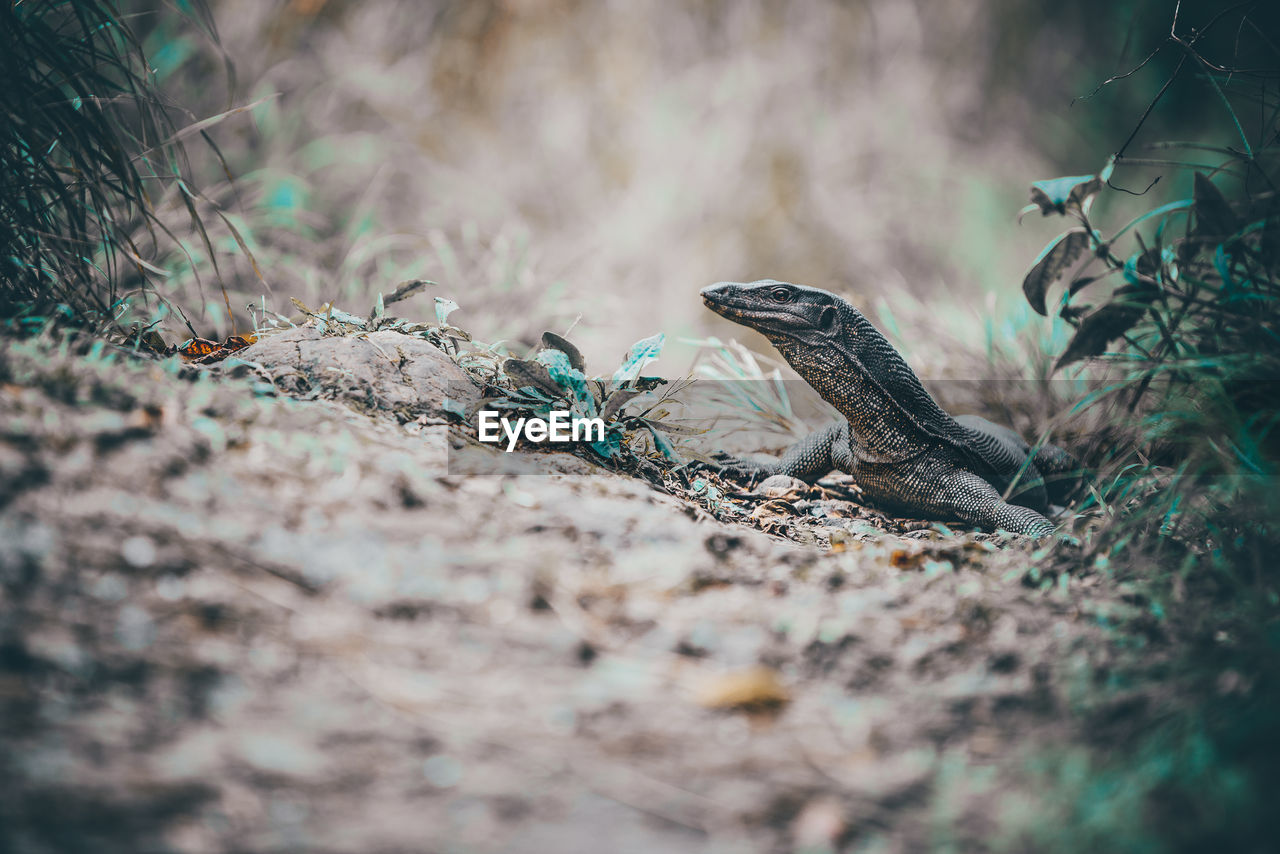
(1181,303)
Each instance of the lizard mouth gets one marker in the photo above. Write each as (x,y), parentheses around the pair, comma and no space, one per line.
(755,317)
(747,305)
(741,315)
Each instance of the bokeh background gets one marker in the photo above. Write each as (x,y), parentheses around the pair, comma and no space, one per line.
(557,163)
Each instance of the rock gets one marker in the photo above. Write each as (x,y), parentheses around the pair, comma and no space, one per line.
(782,486)
(385,370)
(819,825)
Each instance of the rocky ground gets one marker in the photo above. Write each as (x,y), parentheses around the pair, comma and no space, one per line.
(249,608)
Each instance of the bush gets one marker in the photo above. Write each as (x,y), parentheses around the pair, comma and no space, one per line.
(1187,336)
(1186,345)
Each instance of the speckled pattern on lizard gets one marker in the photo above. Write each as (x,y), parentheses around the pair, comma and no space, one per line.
(905,453)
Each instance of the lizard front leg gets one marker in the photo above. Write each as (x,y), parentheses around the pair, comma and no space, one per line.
(809,459)
(971,499)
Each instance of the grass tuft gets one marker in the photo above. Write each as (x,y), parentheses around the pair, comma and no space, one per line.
(90,149)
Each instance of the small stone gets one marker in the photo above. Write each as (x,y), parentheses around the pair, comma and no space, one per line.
(442,771)
(782,486)
(138,552)
(394,371)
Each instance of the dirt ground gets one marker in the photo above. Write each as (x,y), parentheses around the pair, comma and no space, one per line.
(244,614)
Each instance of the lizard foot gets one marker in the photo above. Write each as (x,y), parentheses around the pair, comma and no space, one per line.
(746,472)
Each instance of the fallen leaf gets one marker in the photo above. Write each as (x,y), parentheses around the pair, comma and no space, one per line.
(202,351)
(149,417)
(774,507)
(906,558)
(197,348)
(524,373)
(152,341)
(754,690)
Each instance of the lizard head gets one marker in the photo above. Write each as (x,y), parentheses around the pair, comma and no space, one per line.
(839,353)
(777,308)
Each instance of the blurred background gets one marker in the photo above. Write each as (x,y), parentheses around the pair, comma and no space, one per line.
(558,163)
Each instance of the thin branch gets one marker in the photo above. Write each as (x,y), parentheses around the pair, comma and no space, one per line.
(1154,181)
(1223,169)
(1146,113)
(1116,77)
(1222,69)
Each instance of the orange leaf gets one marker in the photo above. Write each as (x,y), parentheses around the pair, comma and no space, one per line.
(756,689)
(239,342)
(197,348)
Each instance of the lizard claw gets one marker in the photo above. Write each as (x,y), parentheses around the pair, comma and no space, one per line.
(744,471)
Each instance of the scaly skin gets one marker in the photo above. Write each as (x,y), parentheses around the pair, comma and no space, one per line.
(905,453)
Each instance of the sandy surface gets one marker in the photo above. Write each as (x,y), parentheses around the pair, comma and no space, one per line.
(233,620)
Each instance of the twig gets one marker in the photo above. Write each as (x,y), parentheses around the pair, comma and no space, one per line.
(1116,77)
(1154,181)
(1141,121)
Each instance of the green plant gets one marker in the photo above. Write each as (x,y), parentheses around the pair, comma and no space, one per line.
(1188,334)
(89,147)
(1176,312)
(556,379)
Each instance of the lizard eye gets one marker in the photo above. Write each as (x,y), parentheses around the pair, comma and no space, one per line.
(780,295)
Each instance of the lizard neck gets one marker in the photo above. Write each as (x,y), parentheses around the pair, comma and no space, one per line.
(877,427)
(856,370)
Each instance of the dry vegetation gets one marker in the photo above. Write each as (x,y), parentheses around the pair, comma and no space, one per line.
(545,160)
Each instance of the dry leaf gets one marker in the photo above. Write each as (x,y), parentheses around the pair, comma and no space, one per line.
(202,351)
(197,348)
(754,690)
(906,558)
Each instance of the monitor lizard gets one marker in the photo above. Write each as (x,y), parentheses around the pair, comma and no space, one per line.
(904,452)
